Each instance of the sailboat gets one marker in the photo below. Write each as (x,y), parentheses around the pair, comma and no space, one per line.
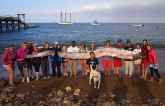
(95,23)
(65,22)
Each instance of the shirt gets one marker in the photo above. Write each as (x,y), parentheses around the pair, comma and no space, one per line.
(72,49)
(22,52)
(93,62)
(9,57)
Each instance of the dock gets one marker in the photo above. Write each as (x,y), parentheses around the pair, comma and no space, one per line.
(10,23)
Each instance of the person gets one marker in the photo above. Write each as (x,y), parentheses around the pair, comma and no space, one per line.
(128,62)
(45,62)
(118,61)
(30,47)
(8,60)
(92,61)
(106,61)
(23,62)
(144,62)
(73,62)
(36,61)
(153,64)
(65,62)
(92,46)
(57,60)
(83,48)
(137,63)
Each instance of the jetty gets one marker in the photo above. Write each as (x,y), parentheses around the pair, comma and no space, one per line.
(10,23)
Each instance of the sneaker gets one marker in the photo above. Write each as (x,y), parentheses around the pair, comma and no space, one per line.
(66,74)
(28,80)
(130,76)
(48,77)
(126,75)
(23,79)
(44,77)
(75,75)
(32,76)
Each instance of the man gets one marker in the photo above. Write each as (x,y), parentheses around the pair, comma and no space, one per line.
(22,62)
(73,62)
(118,61)
(106,61)
(92,61)
(57,60)
(144,62)
(128,62)
(92,46)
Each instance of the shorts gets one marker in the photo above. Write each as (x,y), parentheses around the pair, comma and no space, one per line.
(22,65)
(145,62)
(117,63)
(137,63)
(106,64)
(5,66)
(37,66)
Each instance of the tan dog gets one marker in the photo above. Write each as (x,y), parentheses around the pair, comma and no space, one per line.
(96,77)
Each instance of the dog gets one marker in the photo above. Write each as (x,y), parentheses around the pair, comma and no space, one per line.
(96,77)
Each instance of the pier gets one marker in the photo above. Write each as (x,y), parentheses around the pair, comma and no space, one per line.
(9,23)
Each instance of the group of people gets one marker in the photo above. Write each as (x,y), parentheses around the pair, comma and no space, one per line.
(147,60)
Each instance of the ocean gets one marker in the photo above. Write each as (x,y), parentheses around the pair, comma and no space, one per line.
(84,32)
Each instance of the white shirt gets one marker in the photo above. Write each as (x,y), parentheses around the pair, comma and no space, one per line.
(72,49)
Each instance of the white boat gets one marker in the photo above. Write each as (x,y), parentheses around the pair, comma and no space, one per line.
(95,23)
(137,25)
(65,22)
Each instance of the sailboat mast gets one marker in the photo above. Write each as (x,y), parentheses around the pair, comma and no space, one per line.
(70,18)
(61,16)
(65,17)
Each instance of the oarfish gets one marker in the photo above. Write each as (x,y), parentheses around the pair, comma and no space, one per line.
(45,53)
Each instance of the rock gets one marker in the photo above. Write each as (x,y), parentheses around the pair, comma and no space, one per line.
(37,96)
(67,102)
(58,99)
(2,82)
(145,105)
(9,104)
(113,103)
(124,102)
(77,92)
(21,96)
(107,103)
(113,95)
(68,89)
(60,93)
(33,86)
(149,101)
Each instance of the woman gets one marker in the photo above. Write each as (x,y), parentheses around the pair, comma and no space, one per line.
(8,59)
(36,61)
(65,62)
(83,48)
(137,63)
(153,63)
(92,46)
(45,62)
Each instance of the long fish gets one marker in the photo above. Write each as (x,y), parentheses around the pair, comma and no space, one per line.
(45,53)
(101,51)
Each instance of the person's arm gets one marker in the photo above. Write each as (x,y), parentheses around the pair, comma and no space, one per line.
(87,63)
(4,58)
(155,60)
(97,67)
(97,64)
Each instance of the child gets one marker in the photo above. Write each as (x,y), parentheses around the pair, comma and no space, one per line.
(65,62)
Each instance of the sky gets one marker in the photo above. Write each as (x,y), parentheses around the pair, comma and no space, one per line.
(110,11)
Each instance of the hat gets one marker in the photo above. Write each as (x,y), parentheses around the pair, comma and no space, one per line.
(92,41)
(55,42)
(119,40)
(128,41)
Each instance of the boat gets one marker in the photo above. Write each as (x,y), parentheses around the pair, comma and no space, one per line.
(95,23)
(137,25)
(65,22)
(161,27)
(30,26)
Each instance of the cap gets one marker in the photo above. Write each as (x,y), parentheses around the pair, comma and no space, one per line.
(92,41)
(128,40)
(55,42)
(119,40)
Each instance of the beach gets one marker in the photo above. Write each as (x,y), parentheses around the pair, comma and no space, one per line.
(135,90)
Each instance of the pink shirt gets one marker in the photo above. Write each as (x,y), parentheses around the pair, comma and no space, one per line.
(152,58)
(22,52)
(9,57)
